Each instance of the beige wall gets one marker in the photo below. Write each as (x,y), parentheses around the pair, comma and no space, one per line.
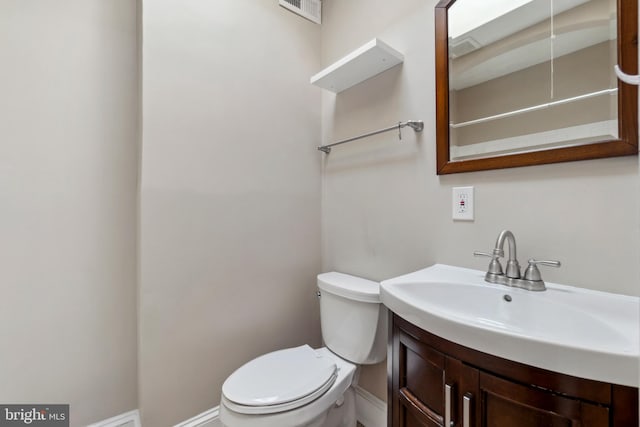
(68,173)
(230,197)
(385,211)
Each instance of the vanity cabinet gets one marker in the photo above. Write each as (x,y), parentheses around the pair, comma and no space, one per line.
(434,382)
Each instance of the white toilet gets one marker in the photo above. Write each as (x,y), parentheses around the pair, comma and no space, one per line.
(301,386)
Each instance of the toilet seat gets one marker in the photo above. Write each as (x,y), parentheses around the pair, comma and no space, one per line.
(279,381)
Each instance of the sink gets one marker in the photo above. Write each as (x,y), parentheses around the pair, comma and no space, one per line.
(574,331)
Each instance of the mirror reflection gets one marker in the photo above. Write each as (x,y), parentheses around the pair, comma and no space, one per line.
(528,75)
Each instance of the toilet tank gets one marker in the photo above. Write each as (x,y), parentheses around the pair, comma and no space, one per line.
(353,320)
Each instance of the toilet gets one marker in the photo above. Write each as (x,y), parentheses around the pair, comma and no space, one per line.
(308,387)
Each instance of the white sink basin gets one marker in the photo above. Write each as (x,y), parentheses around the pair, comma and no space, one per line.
(574,331)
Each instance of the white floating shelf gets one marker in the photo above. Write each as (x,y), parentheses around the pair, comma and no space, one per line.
(363,63)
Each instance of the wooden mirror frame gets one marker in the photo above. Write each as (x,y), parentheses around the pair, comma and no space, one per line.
(626,144)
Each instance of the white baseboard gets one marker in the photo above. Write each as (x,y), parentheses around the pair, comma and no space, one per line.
(128,419)
(208,418)
(370,411)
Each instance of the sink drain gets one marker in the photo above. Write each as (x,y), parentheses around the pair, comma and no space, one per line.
(507,298)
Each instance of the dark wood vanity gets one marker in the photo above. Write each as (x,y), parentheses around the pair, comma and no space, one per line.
(435,382)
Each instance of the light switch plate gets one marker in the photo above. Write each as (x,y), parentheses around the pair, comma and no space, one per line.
(462,206)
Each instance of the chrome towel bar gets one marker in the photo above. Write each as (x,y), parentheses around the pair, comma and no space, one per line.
(416,125)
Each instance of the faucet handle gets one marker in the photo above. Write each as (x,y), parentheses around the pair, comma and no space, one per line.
(478,253)
(494,266)
(549,263)
(532,272)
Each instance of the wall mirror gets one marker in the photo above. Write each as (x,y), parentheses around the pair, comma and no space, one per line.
(528,82)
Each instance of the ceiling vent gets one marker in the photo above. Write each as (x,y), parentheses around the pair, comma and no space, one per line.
(459,48)
(310,9)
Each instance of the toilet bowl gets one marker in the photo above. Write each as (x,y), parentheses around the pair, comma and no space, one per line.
(282,407)
(308,387)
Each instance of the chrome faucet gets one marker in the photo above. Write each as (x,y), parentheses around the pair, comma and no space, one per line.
(513,268)
(532,279)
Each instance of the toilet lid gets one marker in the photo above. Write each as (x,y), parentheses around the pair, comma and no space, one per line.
(279,381)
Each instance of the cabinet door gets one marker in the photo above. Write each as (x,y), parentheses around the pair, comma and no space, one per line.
(462,381)
(419,390)
(507,404)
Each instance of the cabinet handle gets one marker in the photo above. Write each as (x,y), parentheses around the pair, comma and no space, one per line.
(466,410)
(447,405)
